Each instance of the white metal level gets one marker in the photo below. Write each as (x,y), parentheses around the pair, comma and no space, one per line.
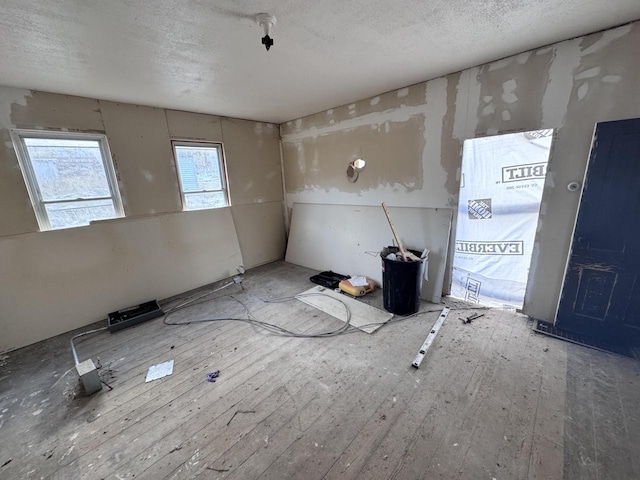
(427,343)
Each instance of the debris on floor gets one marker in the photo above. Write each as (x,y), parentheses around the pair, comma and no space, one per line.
(237,412)
(471,318)
(220,470)
(360,315)
(213,376)
(159,371)
(357,286)
(329,279)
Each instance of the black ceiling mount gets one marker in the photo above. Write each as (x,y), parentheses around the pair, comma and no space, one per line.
(267,41)
(266,22)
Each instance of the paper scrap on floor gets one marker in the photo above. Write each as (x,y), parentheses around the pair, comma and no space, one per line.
(159,371)
(361,313)
(358,281)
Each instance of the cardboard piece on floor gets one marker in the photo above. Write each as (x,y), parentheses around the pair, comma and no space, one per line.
(159,371)
(361,313)
(337,237)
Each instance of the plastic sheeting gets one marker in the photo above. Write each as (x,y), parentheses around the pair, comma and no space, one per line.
(501,184)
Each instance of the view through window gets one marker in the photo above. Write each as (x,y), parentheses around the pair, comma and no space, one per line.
(70,178)
(201,172)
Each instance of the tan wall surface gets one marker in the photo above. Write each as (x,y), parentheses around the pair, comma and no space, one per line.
(258,177)
(412,138)
(140,143)
(141,149)
(267,246)
(55,281)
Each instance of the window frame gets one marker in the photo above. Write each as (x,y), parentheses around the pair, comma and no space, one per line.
(26,167)
(221,166)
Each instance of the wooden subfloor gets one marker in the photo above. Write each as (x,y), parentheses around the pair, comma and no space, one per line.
(492,400)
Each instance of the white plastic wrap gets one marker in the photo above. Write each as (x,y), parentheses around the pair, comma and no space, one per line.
(501,184)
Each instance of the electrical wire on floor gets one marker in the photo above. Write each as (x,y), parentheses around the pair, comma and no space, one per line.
(199,298)
(347,327)
(73,347)
(276,329)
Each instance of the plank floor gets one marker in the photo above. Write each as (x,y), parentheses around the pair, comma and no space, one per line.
(492,399)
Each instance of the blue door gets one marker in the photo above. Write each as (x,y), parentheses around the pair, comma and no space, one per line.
(601,292)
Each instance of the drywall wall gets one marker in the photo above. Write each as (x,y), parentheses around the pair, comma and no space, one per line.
(568,86)
(347,239)
(269,244)
(148,184)
(140,142)
(52,282)
(259,178)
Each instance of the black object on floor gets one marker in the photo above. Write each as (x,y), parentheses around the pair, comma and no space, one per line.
(128,317)
(329,279)
(401,282)
(586,341)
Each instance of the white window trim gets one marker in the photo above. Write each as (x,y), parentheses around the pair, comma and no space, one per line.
(17,136)
(221,167)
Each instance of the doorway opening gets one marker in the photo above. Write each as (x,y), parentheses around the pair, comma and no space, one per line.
(501,184)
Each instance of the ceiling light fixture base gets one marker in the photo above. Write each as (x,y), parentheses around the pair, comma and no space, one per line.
(266,22)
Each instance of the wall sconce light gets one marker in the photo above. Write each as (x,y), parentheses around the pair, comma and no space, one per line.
(354,169)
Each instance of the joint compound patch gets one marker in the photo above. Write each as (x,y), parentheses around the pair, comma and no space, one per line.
(518,173)
(490,248)
(479,209)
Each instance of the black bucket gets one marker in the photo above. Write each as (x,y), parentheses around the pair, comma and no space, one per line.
(401,282)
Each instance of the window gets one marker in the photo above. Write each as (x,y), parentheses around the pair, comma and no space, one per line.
(201,173)
(69,176)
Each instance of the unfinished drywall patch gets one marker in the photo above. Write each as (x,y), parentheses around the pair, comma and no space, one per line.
(582,91)
(406,97)
(589,73)
(392,151)
(58,112)
(451,147)
(139,142)
(564,62)
(18,215)
(516,86)
(451,154)
(468,101)
(315,156)
(434,118)
(252,152)
(609,54)
(595,42)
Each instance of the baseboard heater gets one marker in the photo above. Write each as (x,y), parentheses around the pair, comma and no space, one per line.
(128,317)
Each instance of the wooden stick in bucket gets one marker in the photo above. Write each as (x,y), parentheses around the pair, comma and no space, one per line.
(395,234)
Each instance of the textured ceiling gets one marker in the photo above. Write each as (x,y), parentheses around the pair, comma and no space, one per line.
(206,56)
